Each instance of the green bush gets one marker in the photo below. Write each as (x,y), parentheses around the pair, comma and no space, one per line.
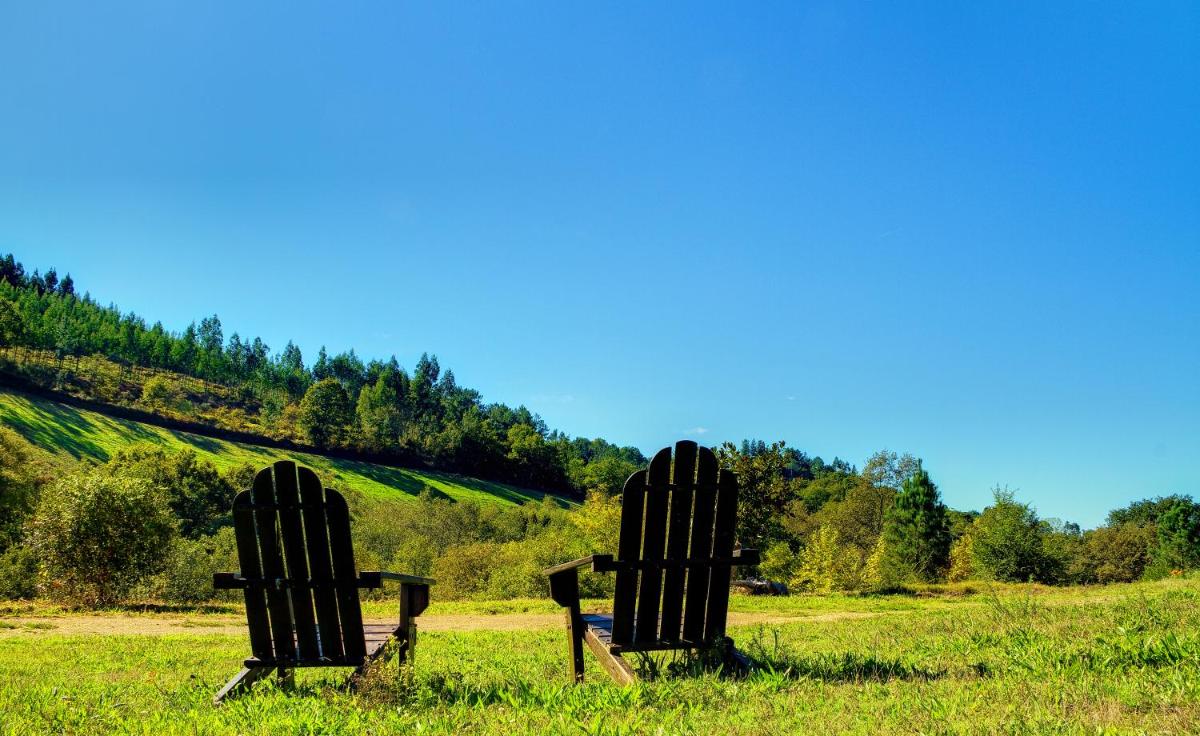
(188,574)
(100,536)
(18,573)
(24,470)
(160,393)
(827,564)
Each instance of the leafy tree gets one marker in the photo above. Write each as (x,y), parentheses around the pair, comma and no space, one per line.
(12,324)
(890,470)
(1006,541)
(917,528)
(1114,554)
(765,490)
(1179,535)
(606,475)
(1146,511)
(860,516)
(378,415)
(325,412)
(100,535)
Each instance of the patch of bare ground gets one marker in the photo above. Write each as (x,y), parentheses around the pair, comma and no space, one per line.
(118,625)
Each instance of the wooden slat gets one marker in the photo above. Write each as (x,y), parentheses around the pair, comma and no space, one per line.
(701,545)
(257,620)
(282,628)
(345,573)
(629,547)
(679,530)
(287,495)
(723,534)
(654,538)
(320,566)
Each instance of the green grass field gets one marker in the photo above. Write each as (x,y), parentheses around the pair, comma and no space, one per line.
(89,435)
(1019,659)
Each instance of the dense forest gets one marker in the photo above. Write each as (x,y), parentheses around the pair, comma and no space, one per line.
(822,526)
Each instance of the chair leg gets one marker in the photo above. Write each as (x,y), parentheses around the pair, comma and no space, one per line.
(240,683)
(575,629)
(287,678)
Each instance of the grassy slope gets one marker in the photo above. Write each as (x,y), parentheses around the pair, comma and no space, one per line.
(1120,659)
(89,435)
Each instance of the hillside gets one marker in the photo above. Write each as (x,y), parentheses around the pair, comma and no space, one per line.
(90,435)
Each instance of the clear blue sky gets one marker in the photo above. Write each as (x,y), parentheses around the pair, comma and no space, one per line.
(967,232)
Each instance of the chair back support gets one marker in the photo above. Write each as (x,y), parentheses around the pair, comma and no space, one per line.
(293,541)
(677,528)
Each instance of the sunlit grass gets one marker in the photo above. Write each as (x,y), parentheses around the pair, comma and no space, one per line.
(89,435)
(1010,659)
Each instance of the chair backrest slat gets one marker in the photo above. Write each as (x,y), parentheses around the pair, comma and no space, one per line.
(629,548)
(266,524)
(246,535)
(316,530)
(287,495)
(345,575)
(678,533)
(654,537)
(723,536)
(701,547)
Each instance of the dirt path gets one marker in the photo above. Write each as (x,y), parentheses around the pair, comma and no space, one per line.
(93,625)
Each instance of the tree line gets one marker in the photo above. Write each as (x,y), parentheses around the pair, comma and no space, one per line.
(821,525)
(422,416)
(832,527)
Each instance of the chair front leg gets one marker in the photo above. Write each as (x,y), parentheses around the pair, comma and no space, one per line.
(564,589)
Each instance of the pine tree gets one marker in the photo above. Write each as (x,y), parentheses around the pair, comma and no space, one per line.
(917,530)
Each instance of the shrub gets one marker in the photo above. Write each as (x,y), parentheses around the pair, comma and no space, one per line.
(962,557)
(887,568)
(188,574)
(24,470)
(18,573)
(779,562)
(159,393)
(827,565)
(99,536)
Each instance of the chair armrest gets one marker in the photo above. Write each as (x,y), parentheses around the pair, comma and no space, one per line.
(746,556)
(228,581)
(599,563)
(397,577)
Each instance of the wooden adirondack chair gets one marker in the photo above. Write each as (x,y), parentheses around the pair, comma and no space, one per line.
(293,540)
(676,547)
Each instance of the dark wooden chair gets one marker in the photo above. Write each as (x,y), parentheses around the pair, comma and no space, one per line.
(293,540)
(672,567)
